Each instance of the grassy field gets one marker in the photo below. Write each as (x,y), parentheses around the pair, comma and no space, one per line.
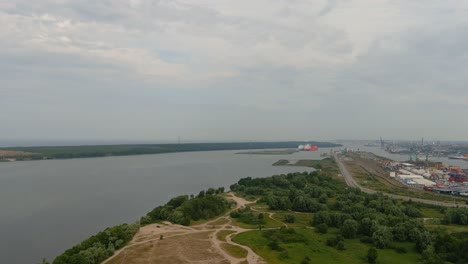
(318,252)
(302,219)
(326,164)
(270,223)
(234,251)
(431,213)
(450,228)
(221,235)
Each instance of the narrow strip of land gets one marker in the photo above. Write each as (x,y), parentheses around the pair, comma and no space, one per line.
(350,181)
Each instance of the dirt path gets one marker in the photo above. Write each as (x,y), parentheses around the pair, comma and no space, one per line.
(147,244)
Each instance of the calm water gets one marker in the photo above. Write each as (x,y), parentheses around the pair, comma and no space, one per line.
(49,206)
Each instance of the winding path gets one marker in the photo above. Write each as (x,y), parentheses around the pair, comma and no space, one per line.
(151,233)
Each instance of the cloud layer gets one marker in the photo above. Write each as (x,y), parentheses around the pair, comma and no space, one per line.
(224,70)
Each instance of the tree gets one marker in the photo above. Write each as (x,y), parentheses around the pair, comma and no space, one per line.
(372,255)
(423,241)
(44,261)
(349,228)
(382,237)
(367,226)
(201,194)
(210,191)
(429,256)
(289,218)
(322,228)
(323,198)
(321,217)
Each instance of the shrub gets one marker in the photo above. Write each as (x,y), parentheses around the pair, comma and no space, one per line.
(289,218)
(322,228)
(372,255)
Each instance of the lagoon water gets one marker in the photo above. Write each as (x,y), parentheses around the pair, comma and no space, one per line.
(48,206)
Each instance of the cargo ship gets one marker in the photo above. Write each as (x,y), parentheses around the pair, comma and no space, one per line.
(307,148)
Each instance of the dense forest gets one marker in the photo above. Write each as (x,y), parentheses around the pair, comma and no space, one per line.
(374,219)
(67,152)
(183,209)
(100,246)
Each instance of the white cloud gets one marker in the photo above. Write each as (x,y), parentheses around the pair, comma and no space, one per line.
(263,55)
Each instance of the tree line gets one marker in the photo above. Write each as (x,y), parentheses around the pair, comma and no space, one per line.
(99,247)
(184,209)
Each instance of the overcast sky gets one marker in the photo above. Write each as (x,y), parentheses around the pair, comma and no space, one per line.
(233,70)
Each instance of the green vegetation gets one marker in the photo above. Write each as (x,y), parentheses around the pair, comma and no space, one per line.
(457,216)
(221,235)
(67,152)
(372,255)
(100,246)
(182,210)
(234,250)
(315,249)
(247,216)
(347,223)
(300,219)
(326,164)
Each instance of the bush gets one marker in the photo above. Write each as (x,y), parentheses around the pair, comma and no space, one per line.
(305,260)
(372,255)
(322,228)
(349,228)
(340,245)
(273,245)
(289,218)
(284,254)
(333,242)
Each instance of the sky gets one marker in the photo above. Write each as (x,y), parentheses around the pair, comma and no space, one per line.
(223,70)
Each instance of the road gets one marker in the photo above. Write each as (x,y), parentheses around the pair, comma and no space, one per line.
(351,182)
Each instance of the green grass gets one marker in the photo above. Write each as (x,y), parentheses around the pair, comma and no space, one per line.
(326,164)
(270,223)
(450,228)
(302,219)
(318,252)
(431,213)
(234,251)
(221,235)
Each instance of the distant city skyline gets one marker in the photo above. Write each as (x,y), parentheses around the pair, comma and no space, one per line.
(221,70)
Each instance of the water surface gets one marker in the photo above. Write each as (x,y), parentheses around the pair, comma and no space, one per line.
(48,206)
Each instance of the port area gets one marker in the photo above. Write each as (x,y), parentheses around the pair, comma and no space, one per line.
(433,182)
(423,151)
